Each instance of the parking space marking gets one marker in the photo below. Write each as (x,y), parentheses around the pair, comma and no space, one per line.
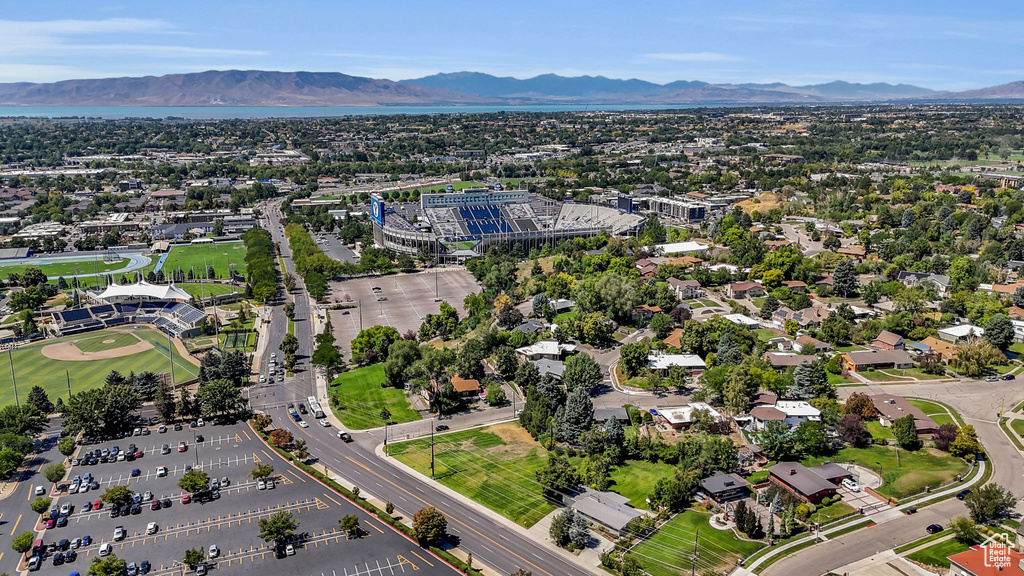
(299,478)
(328,496)
(371,525)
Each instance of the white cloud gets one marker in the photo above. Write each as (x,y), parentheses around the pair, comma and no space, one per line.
(163,51)
(693,57)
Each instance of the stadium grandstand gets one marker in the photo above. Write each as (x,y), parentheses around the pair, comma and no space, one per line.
(176,319)
(460,225)
(142,291)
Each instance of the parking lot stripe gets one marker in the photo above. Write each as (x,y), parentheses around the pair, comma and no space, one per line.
(297,476)
(332,499)
(247,435)
(370,524)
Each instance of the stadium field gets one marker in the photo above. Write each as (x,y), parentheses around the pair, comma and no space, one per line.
(58,269)
(194,256)
(87,358)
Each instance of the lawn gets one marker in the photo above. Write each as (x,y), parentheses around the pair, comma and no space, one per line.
(765,335)
(563,317)
(197,290)
(667,552)
(62,267)
(195,256)
(850,348)
(916,469)
(636,479)
(833,512)
(937,412)
(876,430)
(32,368)
(914,373)
(837,379)
(1018,426)
(877,376)
(494,466)
(936,554)
(358,398)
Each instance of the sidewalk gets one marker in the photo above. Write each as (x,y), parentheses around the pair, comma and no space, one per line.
(880,518)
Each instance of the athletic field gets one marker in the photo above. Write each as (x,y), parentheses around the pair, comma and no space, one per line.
(195,256)
(88,358)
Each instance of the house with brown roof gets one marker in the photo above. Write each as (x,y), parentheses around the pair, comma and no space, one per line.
(644,312)
(1015,312)
(978,561)
(891,407)
(889,341)
(743,290)
(674,338)
(809,484)
(686,289)
(785,359)
(795,285)
(860,360)
(466,387)
(819,346)
(857,252)
(945,350)
(806,317)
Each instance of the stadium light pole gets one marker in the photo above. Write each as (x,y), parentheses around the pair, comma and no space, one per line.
(10,358)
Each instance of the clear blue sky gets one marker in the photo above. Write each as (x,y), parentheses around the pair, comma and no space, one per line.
(936,44)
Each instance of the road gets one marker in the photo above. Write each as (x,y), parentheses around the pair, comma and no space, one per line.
(496,546)
(979,403)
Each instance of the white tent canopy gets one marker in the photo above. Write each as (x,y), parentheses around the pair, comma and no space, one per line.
(145,290)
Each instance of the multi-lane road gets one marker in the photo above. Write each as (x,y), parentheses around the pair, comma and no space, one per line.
(491,543)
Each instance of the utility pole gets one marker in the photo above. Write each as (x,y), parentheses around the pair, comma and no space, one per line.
(359,304)
(170,357)
(693,558)
(68,374)
(10,358)
(431,448)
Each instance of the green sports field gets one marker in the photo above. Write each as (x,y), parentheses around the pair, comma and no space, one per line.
(58,269)
(195,256)
(32,368)
(197,290)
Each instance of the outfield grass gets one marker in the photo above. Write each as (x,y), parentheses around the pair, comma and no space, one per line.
(31,368)
(936,554)
(494,466)
(916,469)
(357,398)
(197,290)
(57,269)
(196,256)
(635,479)
(667,552)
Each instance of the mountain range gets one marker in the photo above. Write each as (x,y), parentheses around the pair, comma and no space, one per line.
(267,88)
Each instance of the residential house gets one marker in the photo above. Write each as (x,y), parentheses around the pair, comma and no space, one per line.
(605,508)
(889,341)
(978,561)
(686,289)
(891,407)
(742,320)
(680,417)
(810,317)
(938,281)
(764,399)
(782,344)
(785,359)
(819,346)
(722,487)
(674,339)
(860,360)
(945,350)
(857,252)
(560,305)
(792,413)
(530,327)
(643,312)
(601,415)
(809,484)
(825,280)
(1015,312)
(738,290)
(466,387)
(549,349)
(795,285)
(659,361)
(554,368)
(960,333)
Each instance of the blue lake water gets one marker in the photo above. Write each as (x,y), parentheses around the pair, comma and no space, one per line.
(230,112)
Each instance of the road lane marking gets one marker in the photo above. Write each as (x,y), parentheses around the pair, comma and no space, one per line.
(16,525)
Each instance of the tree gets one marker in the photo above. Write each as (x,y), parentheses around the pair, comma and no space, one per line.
(495,395)
(831,242)
(429,526)
(661,324)
(279,527)
(835,330)
(966,443)
(54,473)
(810,439)
(1018,297)
(974,356)
(581,371)
(40,504)
(577,416)
(280,437)
(261,471)
(350,524)
(539,301)
(811,381)
(852,431)
(770,305)
(861,404)
(23,542)
(509,317)
(776,441)
(844,278)
(944,436)
(109,566)
(300,450)
(66,446)
(633,358)
(220,398)
(194,481)
(117,496)
(193,556)
(989,503)
(101,411)
(728,351)
(998,331)
(371,345)
(574,528)
(163,401)
(558,477)
(965,530)
(261,421)
(289,344)
(506,362)
(906,432)
(38,398)
(289,311)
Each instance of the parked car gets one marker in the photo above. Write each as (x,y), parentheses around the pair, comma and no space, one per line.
(991,378)
(119,533)
(214,551)
(106,549)
(1009,377)
(962,494)
(850,485)
(934,528)
(186,498)
(441,428)
(182,446)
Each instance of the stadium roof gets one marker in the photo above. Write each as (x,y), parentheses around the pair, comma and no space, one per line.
(145,289)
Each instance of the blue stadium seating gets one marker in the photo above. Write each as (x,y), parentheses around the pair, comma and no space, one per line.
(73,316)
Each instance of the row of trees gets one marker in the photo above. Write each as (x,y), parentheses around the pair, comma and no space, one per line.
(260,264)
(311,263)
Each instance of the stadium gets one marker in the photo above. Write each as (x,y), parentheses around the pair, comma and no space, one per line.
(164,307)
(461,225)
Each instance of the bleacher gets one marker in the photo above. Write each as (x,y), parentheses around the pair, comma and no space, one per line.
(102,310)
(188,314)
(71,317)
(174,318)
(581,216)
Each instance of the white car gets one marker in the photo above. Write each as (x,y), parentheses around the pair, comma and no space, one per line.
(271,484)
(302,424)
(151,528)
(39,491)
(214,551)
(850,485)
(261,485)
(147,496)
(324,422)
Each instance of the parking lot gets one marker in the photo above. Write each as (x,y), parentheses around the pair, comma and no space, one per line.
(231,521)
(409,298)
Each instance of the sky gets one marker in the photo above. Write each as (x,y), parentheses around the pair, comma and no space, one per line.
(943,45)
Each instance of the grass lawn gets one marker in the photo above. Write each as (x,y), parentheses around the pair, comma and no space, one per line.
(668,550)
(636,479)
(837,379)
(195,256)
(1018,426)
(759,302)
(877,376)
(878,431)
(941,419)
(849,348)
(935,555)
(197,290)
(916,469)
(937,412)
(765,335)
(494,466)
(357,398)
(563,317)
(32,368)
(914,373)
(832,512)
(62,267)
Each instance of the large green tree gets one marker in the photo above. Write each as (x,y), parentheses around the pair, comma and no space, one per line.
(581,371)
(429,526)
(278,528)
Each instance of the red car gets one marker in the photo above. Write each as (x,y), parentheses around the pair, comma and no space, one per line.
(139,454)
(50,523)
(182,446)
(97,505)
(185,498)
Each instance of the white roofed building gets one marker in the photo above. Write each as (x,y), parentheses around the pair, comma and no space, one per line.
(662,362)
(143,291)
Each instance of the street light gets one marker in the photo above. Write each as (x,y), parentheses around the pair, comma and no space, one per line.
(195,443)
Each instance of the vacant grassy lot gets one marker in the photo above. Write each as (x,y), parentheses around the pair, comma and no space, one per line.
(635,480)
(494,466)
(196,256)
(915,470)
(357,398)
(936,554)
(31,368)
(667,553)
